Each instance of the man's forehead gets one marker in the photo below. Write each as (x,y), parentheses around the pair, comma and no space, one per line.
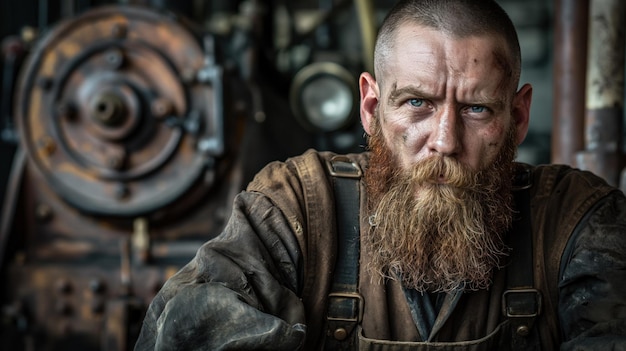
(415,32)
(424,52)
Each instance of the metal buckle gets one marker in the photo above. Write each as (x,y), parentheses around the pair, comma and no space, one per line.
(538,302)
(346,295)
(354,173)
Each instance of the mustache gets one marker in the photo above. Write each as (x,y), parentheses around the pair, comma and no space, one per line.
(444,171)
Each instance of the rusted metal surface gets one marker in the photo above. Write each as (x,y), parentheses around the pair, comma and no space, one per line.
(605,90)
(130,164)
(570,66)
(106,117)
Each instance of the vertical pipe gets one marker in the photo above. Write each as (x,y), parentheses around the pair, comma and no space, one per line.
(570,62)
(13,50)
(605,90)
(369,27)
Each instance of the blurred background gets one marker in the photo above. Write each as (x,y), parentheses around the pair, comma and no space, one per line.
(127,127)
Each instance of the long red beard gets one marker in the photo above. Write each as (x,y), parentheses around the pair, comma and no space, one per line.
(432,236)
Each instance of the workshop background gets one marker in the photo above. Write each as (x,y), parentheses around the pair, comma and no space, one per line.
(127,127)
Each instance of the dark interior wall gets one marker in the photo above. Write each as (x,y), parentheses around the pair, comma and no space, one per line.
(16,14)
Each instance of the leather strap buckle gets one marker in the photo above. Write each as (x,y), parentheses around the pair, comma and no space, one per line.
(345,312)
(349,170)
(521,303)
(346,315)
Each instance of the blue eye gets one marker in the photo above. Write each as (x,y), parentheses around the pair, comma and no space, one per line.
(416,102)
(477,109)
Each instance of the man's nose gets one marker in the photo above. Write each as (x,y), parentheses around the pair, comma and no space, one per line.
(445,139)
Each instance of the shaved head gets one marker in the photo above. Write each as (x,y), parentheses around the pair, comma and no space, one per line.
(456,18)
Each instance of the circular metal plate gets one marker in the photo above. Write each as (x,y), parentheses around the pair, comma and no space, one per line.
(101,108)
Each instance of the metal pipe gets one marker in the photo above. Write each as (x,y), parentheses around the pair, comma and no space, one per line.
(570,62)
(605,90)
(13,50)
(367,22)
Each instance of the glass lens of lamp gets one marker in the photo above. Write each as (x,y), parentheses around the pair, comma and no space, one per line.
(327,102)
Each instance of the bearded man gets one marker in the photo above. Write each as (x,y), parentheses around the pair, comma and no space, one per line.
(444,243)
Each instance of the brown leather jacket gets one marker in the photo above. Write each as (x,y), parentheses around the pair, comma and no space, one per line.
(263,283)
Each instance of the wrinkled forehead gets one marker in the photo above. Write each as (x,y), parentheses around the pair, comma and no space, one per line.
(475,56)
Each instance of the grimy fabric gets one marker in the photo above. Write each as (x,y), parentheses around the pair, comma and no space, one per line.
(262,284)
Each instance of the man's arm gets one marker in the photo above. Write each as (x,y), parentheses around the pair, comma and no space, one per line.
(238,293)
(592,291)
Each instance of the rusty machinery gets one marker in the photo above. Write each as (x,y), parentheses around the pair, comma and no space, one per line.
(129,127)
(136,129)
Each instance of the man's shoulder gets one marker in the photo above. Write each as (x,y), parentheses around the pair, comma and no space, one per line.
(311,164)
(551,179)
(299,179)
(316,158)
(561,196)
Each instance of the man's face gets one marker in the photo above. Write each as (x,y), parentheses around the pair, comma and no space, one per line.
(447,96)
(443,132)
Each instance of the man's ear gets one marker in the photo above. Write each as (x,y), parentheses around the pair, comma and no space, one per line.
(521,111)
(369,100)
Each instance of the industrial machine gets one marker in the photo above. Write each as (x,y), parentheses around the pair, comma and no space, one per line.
(134,126)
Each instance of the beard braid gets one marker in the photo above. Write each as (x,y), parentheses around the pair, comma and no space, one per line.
(438,237)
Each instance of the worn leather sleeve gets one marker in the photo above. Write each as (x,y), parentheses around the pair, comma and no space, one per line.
(238,293)
(592,292)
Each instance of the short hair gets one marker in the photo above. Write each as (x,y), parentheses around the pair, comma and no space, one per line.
(458,18)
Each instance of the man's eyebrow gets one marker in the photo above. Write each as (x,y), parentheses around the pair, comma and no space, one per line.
(413,90)
(495,102)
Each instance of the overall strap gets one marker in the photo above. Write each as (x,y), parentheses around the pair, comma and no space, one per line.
(345,304)
(521,301)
